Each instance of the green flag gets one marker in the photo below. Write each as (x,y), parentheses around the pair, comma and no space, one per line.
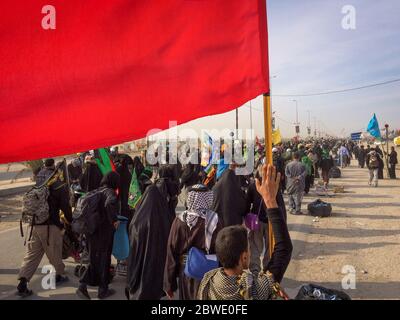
(104,161)
(134,191)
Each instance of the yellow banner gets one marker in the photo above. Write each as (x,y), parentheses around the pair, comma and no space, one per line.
(276,137)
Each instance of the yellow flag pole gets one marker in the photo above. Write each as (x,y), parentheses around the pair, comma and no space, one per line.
(268,127)
(268,155)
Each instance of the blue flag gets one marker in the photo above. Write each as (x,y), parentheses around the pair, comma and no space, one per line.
(373,127)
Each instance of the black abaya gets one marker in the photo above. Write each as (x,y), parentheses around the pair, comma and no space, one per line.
(229,199)
(148,234)
(101,241)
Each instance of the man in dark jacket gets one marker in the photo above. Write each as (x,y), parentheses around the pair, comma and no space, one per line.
(361,157)
(47,238)
(392,163)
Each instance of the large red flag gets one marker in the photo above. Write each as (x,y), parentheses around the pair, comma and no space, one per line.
(112,70)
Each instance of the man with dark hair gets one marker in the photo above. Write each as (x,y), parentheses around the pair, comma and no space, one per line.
(296,174)
(230,245)
(233,281)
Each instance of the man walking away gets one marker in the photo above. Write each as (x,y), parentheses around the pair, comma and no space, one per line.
(344,155)
(295,173)
(361,157)
(46,238)
(392,163)
(373,167)
(326,164)
(309,167)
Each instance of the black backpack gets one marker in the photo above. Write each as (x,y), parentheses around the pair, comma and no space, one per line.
(319,208)
(314,292)
(86,216)
(335,173)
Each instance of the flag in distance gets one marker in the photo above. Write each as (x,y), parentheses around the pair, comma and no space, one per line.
(373,127)
(276,137)
(112,70)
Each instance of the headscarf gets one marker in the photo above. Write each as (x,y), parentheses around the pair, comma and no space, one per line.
(138,166)
(199,202)
(76,162)
(111,180)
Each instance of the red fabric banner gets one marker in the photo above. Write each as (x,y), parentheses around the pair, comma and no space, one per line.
(112,70)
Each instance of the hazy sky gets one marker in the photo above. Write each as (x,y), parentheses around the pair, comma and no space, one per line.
(311,52)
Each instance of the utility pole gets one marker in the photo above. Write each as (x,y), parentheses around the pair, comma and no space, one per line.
(297,124)
(309,123)
(251,121)
(315,127)
(387,148)
(237,123)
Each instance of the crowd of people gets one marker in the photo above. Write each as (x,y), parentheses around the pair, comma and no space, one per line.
(251,266)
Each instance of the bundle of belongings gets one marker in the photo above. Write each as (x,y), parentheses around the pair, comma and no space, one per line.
(335,173)
(338,189)
(319,208)
(314,292)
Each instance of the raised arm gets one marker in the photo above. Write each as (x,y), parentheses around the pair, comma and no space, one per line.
(268,189)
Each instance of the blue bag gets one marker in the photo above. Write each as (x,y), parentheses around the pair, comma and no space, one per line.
(121,240)
(198,264)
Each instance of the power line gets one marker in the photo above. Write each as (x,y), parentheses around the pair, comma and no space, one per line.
(279,118)
(337,91)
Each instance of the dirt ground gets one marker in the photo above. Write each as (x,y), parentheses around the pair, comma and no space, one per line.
(363,232)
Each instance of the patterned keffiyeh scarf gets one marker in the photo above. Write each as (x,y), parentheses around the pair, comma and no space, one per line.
(217,285)
(199,202)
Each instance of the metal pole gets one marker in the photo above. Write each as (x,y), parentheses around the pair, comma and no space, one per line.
(387,149)
(268,127)
(251,121)
(315,126)
(268,154)
(237,123)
